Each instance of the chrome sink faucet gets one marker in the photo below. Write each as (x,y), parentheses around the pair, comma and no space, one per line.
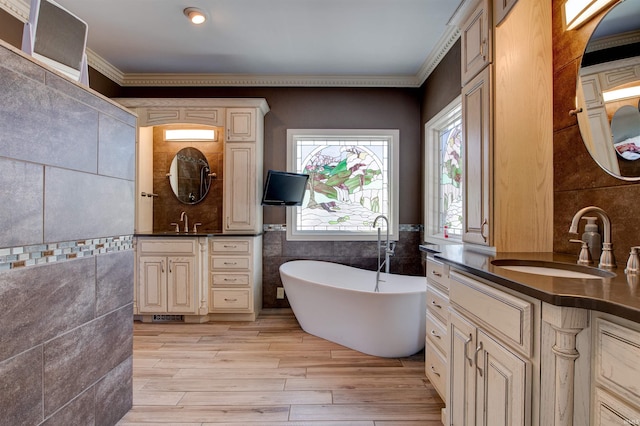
(606,258)
(185,219)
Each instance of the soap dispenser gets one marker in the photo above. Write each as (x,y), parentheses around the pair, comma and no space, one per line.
(592,237)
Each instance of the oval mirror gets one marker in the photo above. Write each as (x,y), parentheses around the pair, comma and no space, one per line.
(609,81)
(189,175)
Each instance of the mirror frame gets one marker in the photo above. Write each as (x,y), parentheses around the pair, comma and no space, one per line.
(174,174)
(591,113)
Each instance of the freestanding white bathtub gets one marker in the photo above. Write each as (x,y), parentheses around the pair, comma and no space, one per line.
(337,303)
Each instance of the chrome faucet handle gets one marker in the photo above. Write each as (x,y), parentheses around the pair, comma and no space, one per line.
(633,264)
(176,225)
(195,227)
(585,256)
(606,258)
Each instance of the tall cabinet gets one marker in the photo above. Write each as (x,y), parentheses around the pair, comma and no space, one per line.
(507,124)
(243,170)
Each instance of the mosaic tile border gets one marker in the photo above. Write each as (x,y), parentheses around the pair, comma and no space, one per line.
(38,254)
(401,227)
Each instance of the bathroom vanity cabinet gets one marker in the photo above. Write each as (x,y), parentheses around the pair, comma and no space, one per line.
(200,277)
(616,387)
(437,324)
(168,276)
(492,364)
(528,349)
(235,277)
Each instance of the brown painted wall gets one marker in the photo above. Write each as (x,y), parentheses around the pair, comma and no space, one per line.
(340,108)
(10,29)
(578,180)
(442,86)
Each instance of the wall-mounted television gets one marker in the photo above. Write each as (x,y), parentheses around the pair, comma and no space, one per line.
(58,38)
(284,188)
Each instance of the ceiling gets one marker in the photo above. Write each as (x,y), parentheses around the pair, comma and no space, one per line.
(268,42)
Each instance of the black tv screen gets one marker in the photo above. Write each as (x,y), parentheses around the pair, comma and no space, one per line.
(284,188)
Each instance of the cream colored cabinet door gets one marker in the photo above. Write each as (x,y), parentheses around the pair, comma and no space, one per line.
(461,383)
(167,284)
(241,124)
(477,152)
(240,188)
(502,395)
(153,284)
(181,285)
(476,41)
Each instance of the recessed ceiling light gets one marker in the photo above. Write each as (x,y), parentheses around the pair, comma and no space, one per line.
(195,15)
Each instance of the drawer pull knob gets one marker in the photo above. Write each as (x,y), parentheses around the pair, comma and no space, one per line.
(231,280)
(230,263)
(434,334)
(433,302)
(475,358)
(466,344)
(433,370)
(230,300)
(230,246)
(437,274)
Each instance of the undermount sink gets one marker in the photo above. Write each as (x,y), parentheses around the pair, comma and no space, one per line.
(552,269)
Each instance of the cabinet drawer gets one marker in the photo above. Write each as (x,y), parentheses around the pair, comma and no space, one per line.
(229,262)
(617,354)
(438,272)
(171,247)
(230,299)
(229,246)
(437,333)
(437,303)
(508,316)
(436,370)
(609,411)
(224,280)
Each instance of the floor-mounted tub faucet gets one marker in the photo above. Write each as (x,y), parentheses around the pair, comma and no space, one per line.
(606,258)
(389,248)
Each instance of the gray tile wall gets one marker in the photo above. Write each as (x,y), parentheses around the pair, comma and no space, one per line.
(276,250)
(67,179)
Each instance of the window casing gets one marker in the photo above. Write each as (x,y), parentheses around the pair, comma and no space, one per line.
(443,175)
(352,180)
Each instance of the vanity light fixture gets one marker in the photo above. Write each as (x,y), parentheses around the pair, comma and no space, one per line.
(195,15)
(618,94)
(578,12)
(191,135)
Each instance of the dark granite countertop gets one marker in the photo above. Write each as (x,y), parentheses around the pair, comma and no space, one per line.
(193,234)
(618,295)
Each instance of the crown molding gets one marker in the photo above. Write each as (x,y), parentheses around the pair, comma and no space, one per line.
(165,80)
(615,40)
(448,39)
(20,10)
(99,64)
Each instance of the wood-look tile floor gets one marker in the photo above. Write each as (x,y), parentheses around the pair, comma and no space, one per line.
(269,373)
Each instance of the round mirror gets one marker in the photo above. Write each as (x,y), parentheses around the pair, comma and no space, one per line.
(609,88)
(189,175)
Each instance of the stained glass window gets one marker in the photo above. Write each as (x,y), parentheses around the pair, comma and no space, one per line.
(450,223)
(443,174)
(350,183)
